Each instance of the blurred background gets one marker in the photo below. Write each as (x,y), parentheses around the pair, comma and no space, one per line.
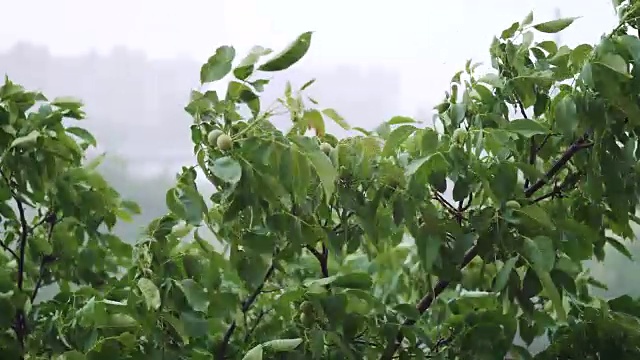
(134,63)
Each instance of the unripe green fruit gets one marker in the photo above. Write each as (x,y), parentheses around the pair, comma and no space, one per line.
(512,204)
(306,307)
(212,138)
(326,148)
(224,142)
(192,265)
(306,320)
(181,229)
(459,136)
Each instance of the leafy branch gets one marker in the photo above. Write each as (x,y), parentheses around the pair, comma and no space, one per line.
(426,301)
(246,305)
(424,304)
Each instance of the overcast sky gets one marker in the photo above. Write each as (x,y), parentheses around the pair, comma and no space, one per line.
(425,41)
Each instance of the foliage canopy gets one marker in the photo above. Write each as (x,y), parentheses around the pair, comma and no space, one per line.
(410,241)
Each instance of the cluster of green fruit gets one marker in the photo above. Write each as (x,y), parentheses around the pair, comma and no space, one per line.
(219,139)
(224,142)
(307,314)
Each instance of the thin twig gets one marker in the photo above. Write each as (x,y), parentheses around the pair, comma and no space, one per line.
(557,191)
(449,207)
(45,260)
(246,305)
(255,325)
(20,321)
(9,250)
(568,154)
(532,147)
(543,142)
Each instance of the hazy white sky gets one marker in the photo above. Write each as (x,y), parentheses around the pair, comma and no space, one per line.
(425,41)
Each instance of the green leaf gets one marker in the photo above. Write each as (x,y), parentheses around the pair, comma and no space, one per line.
(307,84)
(456,113)
(434,163)
(540,252)
(173,203)
(313,118)
(503,275)
(396,120)
(333,115)
(396,138)
(26,140)
(121,321)
(131,206)
(41,245)
(614,62)
(150,293)
(356,280)
(237,91)
(320,162)
(504,180)
(67,102)
(536,213)
(178,326)
(552,292)
(510,31)
(218,65)
(632,43)
(619,247)
(283,345)
(428,249)
(193,205)
(254,354)
(526,127)
(566,118)
(246,66)
(528,19)
(195,294)
(291,55)
(227,169)
(554,26)
(408,310)
(71,355)
(82,134)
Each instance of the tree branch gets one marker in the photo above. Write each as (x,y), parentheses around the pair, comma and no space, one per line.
(441,285)
(246,305)
(425,303)
(456,213)
(21,321)
(533,148)
(323,259)
(255,325)
(46,259)
(568,154)
(10,251)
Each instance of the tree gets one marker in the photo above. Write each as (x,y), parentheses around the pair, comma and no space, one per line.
(344,248)
(56,216)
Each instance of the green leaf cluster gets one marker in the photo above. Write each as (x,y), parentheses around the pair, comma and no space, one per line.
(402,241)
